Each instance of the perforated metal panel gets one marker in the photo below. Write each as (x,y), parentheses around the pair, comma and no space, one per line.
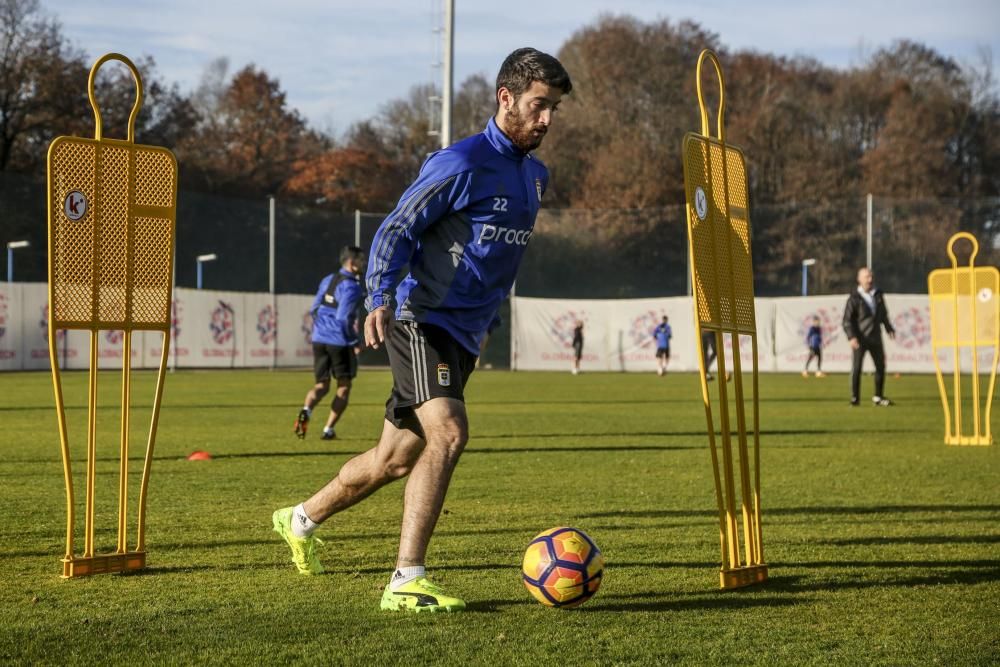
(953,299)
(722,268)
(111,268)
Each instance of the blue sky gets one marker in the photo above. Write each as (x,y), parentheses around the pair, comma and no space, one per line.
(340,60)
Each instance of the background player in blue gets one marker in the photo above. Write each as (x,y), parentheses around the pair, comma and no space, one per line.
(577,346)
(334,337)
(462,227)
(662,334)
(814,340)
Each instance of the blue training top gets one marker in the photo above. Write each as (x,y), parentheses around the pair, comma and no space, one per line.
(663,335)
(463,226)
(814,339)
(334,324)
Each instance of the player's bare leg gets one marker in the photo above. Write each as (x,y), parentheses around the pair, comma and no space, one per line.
(313,396)
(446,430)
(392,458)
(338,407)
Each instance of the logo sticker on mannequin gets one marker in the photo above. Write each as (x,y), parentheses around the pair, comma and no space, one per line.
(75,205)
(700,203)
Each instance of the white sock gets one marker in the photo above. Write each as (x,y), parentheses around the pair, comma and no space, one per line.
(302,525)
(405,575)
(308,410)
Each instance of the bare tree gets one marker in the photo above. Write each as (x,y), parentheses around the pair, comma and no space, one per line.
(42,83)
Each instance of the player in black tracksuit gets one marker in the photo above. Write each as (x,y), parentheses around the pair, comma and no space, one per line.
(864,316)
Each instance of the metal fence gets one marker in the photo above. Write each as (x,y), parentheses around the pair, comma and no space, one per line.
(595,254)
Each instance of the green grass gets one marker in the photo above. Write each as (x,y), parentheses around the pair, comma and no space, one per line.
(883,544)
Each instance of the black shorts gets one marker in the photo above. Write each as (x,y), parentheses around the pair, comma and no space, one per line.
(663,353)
(426,363)
(337,361)
(578,350)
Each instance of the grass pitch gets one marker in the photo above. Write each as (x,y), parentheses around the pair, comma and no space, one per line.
(883,544)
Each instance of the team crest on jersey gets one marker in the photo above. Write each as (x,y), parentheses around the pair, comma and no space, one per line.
(538,188)
(444,375)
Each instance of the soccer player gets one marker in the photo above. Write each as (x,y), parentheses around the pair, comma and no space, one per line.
(708,349)
(814,339)
(577,346)
(864,316)
(462,227)
(662,334)
(334,337)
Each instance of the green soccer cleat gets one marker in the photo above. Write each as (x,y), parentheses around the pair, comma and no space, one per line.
(303,548)
(420,595)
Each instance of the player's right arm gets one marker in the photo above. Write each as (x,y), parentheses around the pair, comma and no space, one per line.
(850,322)
(440,188)
(323,284)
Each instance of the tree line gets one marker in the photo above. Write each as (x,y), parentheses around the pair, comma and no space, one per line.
(906,123)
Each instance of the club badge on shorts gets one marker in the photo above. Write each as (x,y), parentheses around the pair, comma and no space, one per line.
(444,375)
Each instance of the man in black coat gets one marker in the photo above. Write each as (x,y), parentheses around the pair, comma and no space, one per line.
(864,316)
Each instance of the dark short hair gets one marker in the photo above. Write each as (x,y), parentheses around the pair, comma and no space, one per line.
(525,66)
(351,252)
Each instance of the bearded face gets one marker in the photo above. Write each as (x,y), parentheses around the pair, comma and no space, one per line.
(526,118)
(525,134)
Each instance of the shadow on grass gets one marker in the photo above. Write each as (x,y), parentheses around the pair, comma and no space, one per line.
(787,511)
(789,589)
(914,539)
(949,572)
(473,450)
(333,453)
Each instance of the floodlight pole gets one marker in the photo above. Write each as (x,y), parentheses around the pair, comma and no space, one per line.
(868,245)
(201,259)
(11,247)
(270,245)
(357,227)
(448,72)
(806,263)
(270,274)
(513,326)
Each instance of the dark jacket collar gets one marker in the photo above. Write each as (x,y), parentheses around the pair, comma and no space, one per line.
(502,142)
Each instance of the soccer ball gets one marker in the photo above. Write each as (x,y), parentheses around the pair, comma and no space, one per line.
(562,567)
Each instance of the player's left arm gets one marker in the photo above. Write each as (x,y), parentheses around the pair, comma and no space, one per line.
(885,317)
